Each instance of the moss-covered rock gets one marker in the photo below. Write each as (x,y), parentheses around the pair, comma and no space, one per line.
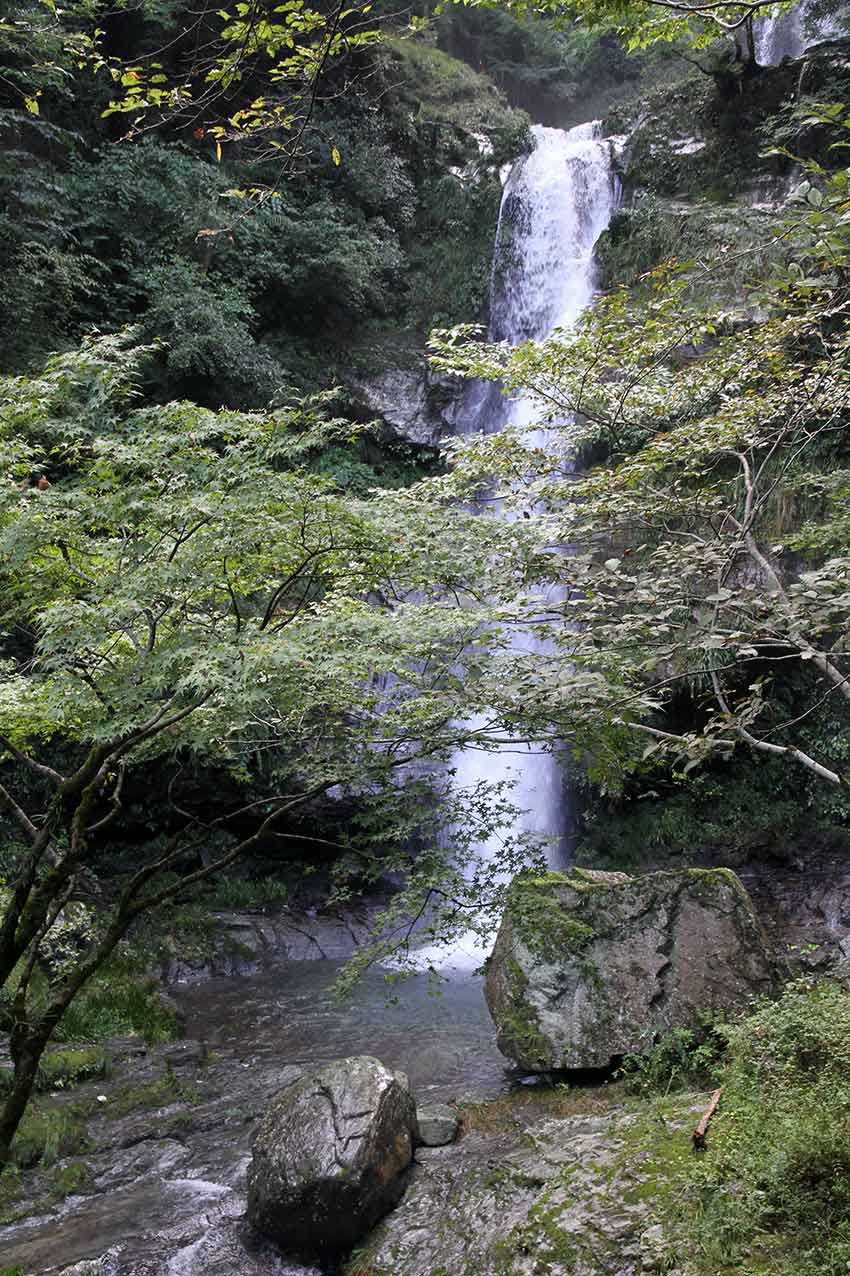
(330,1155)
(582,1195)
(588,966)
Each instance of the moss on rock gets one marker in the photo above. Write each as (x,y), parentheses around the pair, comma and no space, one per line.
(588,965)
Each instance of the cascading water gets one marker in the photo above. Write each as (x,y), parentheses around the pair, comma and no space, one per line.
(789,34)
(557,201)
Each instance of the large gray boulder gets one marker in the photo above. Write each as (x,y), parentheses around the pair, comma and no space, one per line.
(330,1156)
(588,966)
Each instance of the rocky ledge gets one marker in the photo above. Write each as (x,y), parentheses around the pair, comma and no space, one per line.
(249,939)
(573,1195)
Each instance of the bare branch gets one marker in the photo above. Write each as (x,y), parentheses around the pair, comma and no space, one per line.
(17,812)
(39,767)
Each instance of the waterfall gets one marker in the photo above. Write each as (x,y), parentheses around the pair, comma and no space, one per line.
(556,203)
(789,34)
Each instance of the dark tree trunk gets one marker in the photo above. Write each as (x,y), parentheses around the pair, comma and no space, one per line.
(26,1055)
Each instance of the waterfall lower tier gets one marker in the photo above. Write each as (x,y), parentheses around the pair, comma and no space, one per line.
(557,201)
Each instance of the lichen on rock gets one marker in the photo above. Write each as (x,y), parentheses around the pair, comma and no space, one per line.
(330,1157)
(582,1195)
(589,966)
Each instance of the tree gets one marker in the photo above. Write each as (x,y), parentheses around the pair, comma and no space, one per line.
(694,24)
(250,74)
(178,584)
(708,550)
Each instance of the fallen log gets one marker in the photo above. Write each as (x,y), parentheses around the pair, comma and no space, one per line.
(700,1132)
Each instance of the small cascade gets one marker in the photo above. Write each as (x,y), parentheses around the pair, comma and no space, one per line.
(790,34)
(556,203)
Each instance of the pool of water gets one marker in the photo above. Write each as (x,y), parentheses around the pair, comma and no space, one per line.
(166,1202)
(439,1034)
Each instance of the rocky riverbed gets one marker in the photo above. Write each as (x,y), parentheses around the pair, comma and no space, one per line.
(159,1186)
(578,1190)
(546,1180)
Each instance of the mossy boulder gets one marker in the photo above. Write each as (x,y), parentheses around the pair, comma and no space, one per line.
(330,1157)
(589,966)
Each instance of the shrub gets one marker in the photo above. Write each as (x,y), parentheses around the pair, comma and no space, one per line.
(684,1058)
(114,1004)
(774,1185)
(63,1068)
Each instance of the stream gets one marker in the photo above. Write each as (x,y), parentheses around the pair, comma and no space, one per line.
(166,1190)
(442,1036)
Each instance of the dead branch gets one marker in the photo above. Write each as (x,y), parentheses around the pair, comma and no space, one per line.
(698,1136)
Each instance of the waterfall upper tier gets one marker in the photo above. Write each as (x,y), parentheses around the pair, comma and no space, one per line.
(556,203)
(788,34)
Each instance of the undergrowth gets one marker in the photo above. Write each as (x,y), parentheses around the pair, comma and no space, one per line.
(115,1003)
(46,1134)
(244,892)
(682,1059)
(62,1068)
(772,1193)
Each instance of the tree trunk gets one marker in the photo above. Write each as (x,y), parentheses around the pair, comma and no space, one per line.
(26,1054)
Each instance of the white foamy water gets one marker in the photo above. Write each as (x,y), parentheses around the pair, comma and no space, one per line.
(556,203)
(789,34)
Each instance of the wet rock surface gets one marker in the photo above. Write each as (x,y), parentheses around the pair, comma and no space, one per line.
(252,939)
(414,402)
(438,1125)
(589,966)
(576,1195)
(330,1157)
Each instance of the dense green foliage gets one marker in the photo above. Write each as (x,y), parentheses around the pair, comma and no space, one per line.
(772,1193)
(560,74)
(243,276)
(683,1059)
(709,546)
(181,585)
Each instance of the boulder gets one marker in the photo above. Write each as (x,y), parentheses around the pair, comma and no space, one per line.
(438,1125)
(589,966)
(413,401)
(330,1156)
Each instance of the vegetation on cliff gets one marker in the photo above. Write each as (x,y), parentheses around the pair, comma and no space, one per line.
(706,576)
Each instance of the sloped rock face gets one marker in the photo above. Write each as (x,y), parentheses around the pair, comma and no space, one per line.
(330,1155)
(583,1195)
(588,966)
(413,402)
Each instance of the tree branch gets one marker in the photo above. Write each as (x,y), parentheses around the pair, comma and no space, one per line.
(39,767)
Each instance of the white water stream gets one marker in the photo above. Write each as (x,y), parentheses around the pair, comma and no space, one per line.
(788,35)
(556,203)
